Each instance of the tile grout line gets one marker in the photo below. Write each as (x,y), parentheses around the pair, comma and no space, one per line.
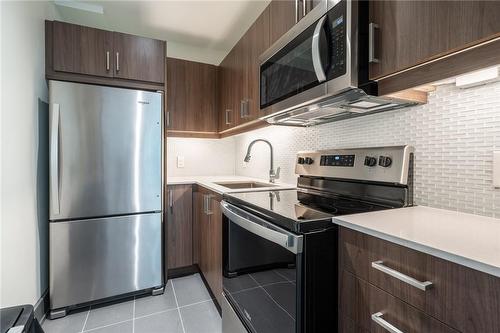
(86,318)
(177,304)
(108,325)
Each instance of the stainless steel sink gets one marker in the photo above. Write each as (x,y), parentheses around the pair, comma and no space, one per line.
(238,185)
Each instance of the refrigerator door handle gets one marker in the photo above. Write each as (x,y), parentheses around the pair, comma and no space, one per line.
(54,159)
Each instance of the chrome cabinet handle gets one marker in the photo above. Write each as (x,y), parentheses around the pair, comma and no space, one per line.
(242,109)
(209,199)
(377,318)
(168,118)
(54,158)
(379,265)
(371,43)
(117,61)
(316,56)
(227,117)
(296,11)
(205,204)
(107,60)
(304,9)
(171,200)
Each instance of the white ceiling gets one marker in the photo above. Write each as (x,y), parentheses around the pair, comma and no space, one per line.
(203,30)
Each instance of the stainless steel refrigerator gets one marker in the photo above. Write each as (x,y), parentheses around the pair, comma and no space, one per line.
(106,180)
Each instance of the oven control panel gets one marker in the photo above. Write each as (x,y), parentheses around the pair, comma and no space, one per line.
(337,160)
(380,164)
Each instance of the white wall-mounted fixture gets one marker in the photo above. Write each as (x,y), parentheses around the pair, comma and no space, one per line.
(85,6)
(496,169)
(180,161)
(477,78)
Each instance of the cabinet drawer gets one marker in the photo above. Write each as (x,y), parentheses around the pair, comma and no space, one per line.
(367,308)
(461,297)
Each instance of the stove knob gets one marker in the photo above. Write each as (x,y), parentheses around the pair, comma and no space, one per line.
(309,161)
(370,161)
(384,161)
(300,160)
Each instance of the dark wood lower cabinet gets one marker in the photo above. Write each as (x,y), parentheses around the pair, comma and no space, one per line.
(208,240)
(462,298)
(179,226)
(361,301)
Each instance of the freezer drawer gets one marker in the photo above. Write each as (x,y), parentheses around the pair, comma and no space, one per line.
(105,151)
(98,258)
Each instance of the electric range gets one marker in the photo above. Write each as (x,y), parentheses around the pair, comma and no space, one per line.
(280,248)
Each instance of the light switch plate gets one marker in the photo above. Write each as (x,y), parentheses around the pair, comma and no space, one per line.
(180,161)
(496,169)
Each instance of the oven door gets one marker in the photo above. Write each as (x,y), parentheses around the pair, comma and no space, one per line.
(262,266)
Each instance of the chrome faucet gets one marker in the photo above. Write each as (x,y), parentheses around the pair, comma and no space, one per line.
(273,175)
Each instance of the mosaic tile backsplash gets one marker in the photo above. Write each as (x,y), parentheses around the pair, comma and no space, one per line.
(454,134)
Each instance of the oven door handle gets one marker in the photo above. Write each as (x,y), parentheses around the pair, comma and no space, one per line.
(316,56)
(262,228)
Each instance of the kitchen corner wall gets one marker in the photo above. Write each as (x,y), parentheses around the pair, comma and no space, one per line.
(454,134)
(24,152)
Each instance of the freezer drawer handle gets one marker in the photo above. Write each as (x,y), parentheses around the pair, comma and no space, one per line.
(377,318)
(379,265)
(262,228)
(54,159)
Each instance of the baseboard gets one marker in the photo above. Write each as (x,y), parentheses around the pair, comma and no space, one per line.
(182,271)
(42,307)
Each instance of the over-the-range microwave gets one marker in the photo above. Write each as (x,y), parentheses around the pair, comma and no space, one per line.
(319,70)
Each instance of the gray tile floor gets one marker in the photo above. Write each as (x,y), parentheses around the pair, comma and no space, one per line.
(185,307)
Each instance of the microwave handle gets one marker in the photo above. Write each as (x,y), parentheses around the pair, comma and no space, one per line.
(262,228)
(316,56)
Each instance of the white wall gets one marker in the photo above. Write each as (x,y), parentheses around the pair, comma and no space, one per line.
(23,210)
(202,157)
(455,135)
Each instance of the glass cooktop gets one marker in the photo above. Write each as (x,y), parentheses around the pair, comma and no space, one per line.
(297,210)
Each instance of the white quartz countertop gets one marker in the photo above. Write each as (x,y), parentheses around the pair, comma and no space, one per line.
(209,182)
(466,239)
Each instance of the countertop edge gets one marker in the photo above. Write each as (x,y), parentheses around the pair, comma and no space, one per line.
(464,261)
(220,189)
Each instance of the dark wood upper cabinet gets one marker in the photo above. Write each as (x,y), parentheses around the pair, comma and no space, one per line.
(88,55)
(414,32)
(179,226)
(191,96)
(83,50)
(256,41)
(139,58)
(225,92)
(283,16)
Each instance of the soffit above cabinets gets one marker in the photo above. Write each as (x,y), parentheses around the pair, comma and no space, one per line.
(211,28)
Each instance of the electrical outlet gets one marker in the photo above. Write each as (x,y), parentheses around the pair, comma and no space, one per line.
(496,169)
(180,161)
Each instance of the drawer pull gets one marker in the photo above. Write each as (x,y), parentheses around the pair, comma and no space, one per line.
(377,318)
(379,265)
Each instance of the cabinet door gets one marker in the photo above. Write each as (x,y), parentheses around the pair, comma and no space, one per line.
(414,32)
(139,58)
(256,41)
(204,235)
(82,50)
(179,226)
(191,95)
(215,244)
(225,107)
(283,16)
